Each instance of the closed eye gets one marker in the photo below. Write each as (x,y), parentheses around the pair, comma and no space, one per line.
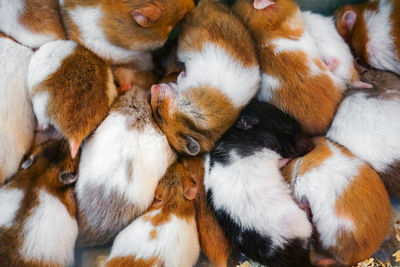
(158,114)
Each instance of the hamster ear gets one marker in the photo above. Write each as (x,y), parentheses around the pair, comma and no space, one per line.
(261,4)
(67,177)
(192,146)
(147,15)
(158,195)
(189,188)
(349,18)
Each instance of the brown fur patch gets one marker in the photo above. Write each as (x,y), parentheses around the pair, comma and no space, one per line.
(50,159)
(315,159)
(43,17)
(212,22)
(396,26)
(121,29)
(173,200)
(213,242)
(391,179)
(130,261)
(153,234)
(310,99)
(79,99)
(212,113)
(366,203)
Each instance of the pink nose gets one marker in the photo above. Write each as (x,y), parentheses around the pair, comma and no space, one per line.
(158,91)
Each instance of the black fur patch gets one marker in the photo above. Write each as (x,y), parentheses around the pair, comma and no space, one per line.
(264,116)
(259,247)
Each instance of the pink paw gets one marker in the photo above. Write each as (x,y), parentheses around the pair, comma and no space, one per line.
(332,64)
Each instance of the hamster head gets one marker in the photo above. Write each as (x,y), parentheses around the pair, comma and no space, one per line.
(53,159)
(132,24)
(176,189)
(293,142)
(192,119)
(352,27)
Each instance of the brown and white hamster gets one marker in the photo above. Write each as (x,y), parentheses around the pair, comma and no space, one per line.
(121,164)
(166,234)
(123,31)
(372,29)
(222,75)
(71,89)
(350,207)
(38,224)
(294,77)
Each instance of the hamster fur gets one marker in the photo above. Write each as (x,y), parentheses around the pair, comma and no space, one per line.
(121,164)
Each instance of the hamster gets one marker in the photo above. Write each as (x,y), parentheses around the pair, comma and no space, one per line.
(122,32)
(222,75)
(367,124)
(166,234)
(372,29)
(31,22)
(332,49)
(17,120)
(213,241)
(121,164)
(350,207)
(37,210)
(294,77)
(251,200)
(71,89)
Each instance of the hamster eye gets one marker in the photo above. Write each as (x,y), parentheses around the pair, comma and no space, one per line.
(27,163)
(158,114)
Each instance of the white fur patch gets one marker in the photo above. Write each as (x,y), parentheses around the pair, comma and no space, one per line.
(47,60)
(322,186)
(380,48)
(40,102)
(107,154)
(369,127)
(329,44)
(10,12)
(213,66)
(253,192)
(10,201)
(50,232)
(176,242)
(87,19)
(17,120)
(269,84)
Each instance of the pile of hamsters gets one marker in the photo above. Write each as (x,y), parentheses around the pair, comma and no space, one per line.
(261,129)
